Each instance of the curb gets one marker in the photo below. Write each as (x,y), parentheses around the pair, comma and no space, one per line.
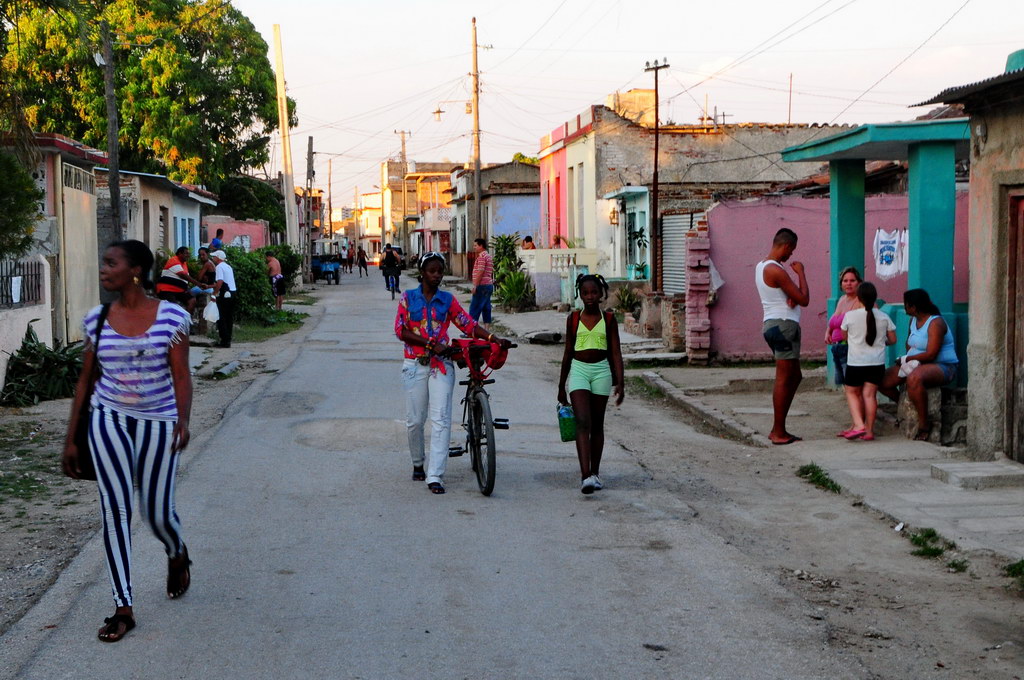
(711,418)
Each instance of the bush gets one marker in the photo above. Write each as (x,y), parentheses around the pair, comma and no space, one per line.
(291,261)
(19,207)
(515,291)
(506,261)
(629,301)
(253,298)
(37,373)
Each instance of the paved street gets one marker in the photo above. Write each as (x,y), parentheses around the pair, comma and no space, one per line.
(316,556)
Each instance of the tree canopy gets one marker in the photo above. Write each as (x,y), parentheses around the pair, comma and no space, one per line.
(250,198)
(19,207)
(195,90)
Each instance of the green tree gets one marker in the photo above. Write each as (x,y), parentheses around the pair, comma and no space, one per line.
(19,207)
(519,157)
(247,198)
(196,93)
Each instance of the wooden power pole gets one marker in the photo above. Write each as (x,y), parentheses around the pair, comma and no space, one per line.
(477,181)
(291,217)
(113,163)
(656,274)
(402,236)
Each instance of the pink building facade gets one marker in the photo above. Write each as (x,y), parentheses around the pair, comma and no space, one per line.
(740,234)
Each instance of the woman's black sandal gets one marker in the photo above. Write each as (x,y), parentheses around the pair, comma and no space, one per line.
(418,473)
(179,576)
(436,487)
(111,631)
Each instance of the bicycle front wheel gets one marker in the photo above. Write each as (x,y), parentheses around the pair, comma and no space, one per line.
(482,442)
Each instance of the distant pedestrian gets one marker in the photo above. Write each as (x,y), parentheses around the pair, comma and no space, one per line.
(428,374)
(483,283)
(277,282)
(866,331)
(350,257)
(224,289)
(591,371)
(849,279)
(138,375)
(361,261)
(218,241)
(528,243)
(781,300)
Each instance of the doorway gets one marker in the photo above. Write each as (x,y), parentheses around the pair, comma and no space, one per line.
(1015,332)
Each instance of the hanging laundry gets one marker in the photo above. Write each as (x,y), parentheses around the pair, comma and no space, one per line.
(904,258)
(886,254)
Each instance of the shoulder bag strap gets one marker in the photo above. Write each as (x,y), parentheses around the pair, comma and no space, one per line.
(104,311)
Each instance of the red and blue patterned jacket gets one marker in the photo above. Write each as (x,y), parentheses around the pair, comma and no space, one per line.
(430,319)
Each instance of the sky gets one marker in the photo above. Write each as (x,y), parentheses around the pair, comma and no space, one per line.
(361,71)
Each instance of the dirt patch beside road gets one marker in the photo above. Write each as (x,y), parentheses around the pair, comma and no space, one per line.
(46,518)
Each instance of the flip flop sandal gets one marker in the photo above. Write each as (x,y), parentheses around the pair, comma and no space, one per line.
(789,440)
(436,487)
(418,474)
(179,576)
(111,631)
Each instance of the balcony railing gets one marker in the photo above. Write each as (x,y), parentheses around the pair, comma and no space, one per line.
(21,283)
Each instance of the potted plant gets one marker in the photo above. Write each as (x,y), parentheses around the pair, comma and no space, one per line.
(638,246)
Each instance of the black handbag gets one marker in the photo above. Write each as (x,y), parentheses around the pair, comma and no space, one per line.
(81,438)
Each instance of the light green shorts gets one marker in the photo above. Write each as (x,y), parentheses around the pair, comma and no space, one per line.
(594,378)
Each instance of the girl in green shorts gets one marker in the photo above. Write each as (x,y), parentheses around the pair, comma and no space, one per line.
(592,366)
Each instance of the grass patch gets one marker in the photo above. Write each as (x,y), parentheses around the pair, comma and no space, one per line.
(637,386)
(929,544)
(959,566)
(256,332)
(813,473)
(300,299)
(1016,571)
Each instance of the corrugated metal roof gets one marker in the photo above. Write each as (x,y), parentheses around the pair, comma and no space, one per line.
(963,93)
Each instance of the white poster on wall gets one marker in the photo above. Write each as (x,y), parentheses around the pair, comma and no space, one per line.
(15,289)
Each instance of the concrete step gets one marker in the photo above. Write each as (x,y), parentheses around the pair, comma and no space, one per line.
(986,475)
(654,357)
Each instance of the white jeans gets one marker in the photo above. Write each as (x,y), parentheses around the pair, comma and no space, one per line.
(429,393)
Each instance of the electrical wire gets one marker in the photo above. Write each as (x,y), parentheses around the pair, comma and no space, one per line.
(532,36)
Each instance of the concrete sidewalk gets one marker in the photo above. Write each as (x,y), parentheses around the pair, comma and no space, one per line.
(979,505)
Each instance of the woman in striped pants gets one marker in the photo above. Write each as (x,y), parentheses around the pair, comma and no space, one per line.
(136,362)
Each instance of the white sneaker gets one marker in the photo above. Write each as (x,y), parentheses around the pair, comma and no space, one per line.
(597,483)
(588,486)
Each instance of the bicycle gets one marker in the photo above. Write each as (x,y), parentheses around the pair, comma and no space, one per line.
(482,358)
(391,281)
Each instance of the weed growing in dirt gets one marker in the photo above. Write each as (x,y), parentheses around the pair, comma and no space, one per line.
(300,299)
(1016,571)
(959,566)
(930,544)
(818,477)
(636,385)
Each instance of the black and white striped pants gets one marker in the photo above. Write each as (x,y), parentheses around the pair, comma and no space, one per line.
(127,450)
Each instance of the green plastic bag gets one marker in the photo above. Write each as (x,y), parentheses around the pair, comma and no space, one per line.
(566,423)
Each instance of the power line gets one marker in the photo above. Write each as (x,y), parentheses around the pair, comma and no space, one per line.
(532,36)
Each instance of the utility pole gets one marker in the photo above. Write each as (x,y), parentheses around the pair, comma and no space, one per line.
(656,275)
(405,201)
(330,208)
(789,116)
(310,173)
(477,181)
(113,163)
(291,217)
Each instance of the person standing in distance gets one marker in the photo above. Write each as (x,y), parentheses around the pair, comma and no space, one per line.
(224,289)
(781,300)
(276,279)
(218,241)
(483,283)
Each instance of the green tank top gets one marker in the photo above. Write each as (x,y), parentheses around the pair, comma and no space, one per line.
(591,338)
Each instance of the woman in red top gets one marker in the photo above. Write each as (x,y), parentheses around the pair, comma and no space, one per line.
(424,315)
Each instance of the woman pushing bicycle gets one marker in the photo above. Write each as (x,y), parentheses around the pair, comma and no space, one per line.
(424,315)
(592,365)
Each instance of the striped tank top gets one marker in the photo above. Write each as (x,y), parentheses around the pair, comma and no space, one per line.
(135,377)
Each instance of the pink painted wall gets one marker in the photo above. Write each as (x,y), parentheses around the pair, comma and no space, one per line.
(741,234)
(257,231)
(552,172)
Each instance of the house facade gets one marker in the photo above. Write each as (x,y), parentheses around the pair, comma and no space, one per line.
(996,224)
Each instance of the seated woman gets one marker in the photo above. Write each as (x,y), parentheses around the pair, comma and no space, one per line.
(930,360)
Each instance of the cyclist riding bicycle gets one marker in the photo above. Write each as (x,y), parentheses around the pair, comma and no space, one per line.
(390,265)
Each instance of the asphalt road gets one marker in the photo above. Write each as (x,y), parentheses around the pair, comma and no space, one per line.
(316,556)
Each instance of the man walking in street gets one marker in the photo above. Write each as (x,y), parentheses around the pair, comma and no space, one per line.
(781,300)
(224,289)
(276,279)
(483,283)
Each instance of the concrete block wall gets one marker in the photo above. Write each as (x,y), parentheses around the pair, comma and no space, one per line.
(698,285)
(673,322)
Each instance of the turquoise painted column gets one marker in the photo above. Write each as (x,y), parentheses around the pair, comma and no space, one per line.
(932,196)
(846,212)
(846,217)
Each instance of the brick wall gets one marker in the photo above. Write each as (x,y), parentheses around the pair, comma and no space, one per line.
(698,284)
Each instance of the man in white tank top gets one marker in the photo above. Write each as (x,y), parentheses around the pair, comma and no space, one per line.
(782,300)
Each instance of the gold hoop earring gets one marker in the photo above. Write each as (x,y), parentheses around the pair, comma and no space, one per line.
(135,279)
